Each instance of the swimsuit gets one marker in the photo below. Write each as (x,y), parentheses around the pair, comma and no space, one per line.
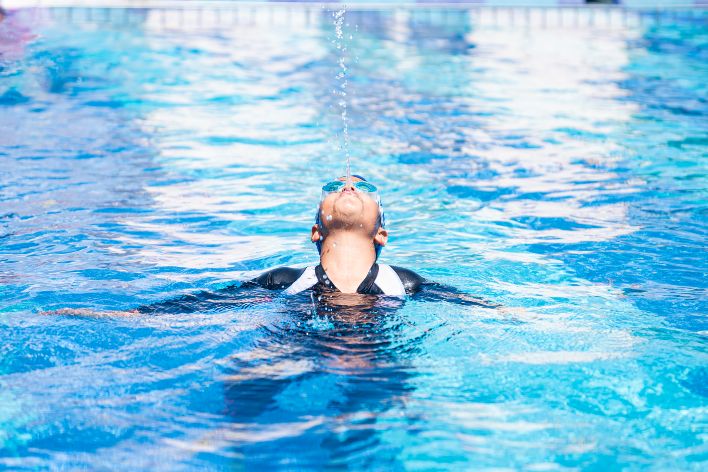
(382,279)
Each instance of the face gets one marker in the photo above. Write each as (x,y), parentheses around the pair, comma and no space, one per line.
(350,210)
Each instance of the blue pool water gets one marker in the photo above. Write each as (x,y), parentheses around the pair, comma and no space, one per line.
(559,171)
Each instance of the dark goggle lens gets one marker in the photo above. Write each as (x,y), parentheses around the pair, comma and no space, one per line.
(333,186)
(365,187)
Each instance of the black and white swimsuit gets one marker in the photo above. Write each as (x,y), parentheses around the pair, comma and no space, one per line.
(382,279)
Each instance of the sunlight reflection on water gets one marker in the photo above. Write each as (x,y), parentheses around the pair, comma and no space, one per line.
(557,171)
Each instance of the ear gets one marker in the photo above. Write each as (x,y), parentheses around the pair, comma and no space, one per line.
(316,233)
(381,237)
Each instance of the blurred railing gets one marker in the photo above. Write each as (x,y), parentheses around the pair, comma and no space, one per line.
(363,4)
(215,14)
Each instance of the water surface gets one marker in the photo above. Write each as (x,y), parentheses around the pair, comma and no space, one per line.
(558,171)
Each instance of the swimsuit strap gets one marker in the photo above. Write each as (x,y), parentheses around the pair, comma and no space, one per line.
(305,281)
(389,282)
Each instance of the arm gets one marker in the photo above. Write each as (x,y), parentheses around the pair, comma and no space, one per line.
(278,279)
(245,294)
(432,291)
(422,289)
(221,300)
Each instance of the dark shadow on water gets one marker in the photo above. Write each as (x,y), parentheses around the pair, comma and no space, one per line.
(319,386)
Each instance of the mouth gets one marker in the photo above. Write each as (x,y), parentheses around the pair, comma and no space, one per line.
(350,192)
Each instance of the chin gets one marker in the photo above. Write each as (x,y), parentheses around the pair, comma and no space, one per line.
(349,207)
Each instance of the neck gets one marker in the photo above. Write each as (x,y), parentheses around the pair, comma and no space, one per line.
(346,258)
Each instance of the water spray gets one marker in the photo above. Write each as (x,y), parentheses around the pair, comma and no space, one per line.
(342,92)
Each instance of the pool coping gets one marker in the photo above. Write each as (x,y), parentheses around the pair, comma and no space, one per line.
(228,5)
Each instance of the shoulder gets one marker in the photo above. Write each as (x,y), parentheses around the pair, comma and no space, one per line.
(411,281)
(278,278)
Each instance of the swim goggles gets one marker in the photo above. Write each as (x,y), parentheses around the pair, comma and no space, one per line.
(360,185)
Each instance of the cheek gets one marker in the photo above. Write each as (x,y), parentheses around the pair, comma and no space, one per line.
(372,212)
(325,209)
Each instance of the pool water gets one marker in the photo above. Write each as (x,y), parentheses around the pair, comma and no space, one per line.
(560,172)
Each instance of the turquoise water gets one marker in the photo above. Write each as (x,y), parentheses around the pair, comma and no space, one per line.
(560,172)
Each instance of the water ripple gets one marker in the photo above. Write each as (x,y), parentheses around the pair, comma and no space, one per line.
(559,173)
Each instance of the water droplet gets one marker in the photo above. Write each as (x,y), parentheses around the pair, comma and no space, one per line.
(329,217)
